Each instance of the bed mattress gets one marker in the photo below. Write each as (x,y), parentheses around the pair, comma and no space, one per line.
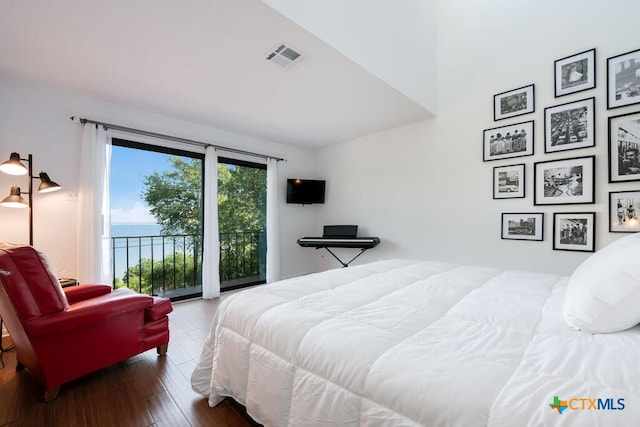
(415,343)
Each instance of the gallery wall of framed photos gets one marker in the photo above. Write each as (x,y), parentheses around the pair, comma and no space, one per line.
(565,180)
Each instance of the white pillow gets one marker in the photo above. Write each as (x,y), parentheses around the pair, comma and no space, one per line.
(603,293)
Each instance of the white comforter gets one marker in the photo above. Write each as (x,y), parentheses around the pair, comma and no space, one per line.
(406,343)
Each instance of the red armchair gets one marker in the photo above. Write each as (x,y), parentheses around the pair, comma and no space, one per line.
(61,334)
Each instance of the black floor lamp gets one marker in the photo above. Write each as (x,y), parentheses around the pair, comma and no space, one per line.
(14,166)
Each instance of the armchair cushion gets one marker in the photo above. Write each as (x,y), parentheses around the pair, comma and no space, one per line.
(83,292)
(83,313)
(160,308)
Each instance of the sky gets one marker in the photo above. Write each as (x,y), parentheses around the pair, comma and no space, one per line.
(128,169)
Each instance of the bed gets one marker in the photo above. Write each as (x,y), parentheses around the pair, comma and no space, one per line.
(418,343)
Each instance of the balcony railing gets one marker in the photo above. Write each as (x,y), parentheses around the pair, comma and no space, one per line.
(172,265)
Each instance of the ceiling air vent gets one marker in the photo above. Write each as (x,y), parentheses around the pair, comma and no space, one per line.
(284,56)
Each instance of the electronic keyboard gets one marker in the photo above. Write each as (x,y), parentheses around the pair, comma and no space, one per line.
(337,242)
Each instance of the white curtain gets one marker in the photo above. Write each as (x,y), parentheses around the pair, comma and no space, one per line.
(273,222)
(94,222)
(211,239)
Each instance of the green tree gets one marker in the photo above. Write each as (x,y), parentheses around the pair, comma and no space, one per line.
(174,197)
(174,271)
(242,198)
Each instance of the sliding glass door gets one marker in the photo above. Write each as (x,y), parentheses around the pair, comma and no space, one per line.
(156,219)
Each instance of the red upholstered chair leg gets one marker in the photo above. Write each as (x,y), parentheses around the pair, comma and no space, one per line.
(162,349)
(51,393)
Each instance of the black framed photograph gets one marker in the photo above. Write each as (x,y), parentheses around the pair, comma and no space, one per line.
(624,211)
(624,147)
(575,73)
(508,182)
(569,126)
(514,103)
(563,182)
(623,79)
(508,141)
(522,226)
(574,231)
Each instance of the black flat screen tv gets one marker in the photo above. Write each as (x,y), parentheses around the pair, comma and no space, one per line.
(305,191)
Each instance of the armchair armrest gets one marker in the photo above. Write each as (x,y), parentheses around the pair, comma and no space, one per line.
(86,291)
(89,311)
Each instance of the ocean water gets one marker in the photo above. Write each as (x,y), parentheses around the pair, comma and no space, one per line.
(135,229)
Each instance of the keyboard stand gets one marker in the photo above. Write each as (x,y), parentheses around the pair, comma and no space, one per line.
(345,264)
(362,243)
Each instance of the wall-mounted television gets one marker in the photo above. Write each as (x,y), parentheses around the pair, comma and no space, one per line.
(305,191)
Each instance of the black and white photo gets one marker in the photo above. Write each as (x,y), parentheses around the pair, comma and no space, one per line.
(624,211)
(575,73)
(566,181)
(522,226)
(624,147)
(508,141)
(569,126)
(623,80)
(513,103)
(574,231)
(508,181)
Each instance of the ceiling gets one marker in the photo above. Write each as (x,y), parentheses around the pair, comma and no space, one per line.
(201,61)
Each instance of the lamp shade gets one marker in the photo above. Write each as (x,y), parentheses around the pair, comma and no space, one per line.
(47,186)
(14,166)
(14,200)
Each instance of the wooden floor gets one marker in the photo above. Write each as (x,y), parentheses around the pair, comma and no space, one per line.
(145,390)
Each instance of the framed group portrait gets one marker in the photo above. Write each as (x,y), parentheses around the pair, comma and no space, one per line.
(574,231)
(514,103)
(575,73)
(566,181)
(508,181)
(508,141)
(624,211)
(522,226)
(624,147)
(569,126)
(623,79)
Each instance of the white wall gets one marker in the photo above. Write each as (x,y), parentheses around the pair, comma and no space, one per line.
(35,119)
(424,189)
(395,41)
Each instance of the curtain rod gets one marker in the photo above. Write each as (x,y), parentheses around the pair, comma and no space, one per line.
(175,138)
